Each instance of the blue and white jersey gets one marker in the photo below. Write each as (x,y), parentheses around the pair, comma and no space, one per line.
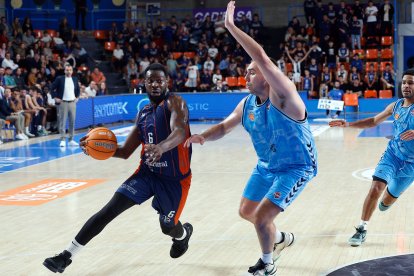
(280,142)
(403,121)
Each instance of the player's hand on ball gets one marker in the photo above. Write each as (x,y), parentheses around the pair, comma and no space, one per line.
(337,123)
(196,138)
(153,152)
(82,144)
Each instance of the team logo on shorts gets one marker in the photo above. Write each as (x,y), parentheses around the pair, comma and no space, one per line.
(397,116)
(276,195)
(251,116)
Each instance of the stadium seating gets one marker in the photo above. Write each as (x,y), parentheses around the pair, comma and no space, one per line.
(351,100)
(370,94)
(386,41)
(385,94)
(232,81)
(371,54)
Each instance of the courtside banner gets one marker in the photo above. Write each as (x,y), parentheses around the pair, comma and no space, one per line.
(44,191)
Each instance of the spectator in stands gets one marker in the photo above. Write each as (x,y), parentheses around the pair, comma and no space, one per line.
(219,28)
(153,50)
(209,65)
(388,77)
(27,24)
(172,66)
(118,58)
(371,78)
(371,12)
(50,105)
(356,88)
(309,7)
(326,77)
(342,83)
(244,24)
(17,28)
(221,86)
(46,37)
(16,105)
(343,9)
(343,28)
(314,70)
(386,15)
(2,72)
(354,75)
(3,51)
(325,26)
(297,66)
(65,29)
(28,38)
(316,51)
(307,83)
(330,55)
(131,70)
(355,30)
(224,66)
(256,25)
(58,42)
(217,76)
(331,13)
(91,90)
(36,99)
(102,90)
(323,91)
(295,25)
(357,62)
(19,78)
(143,64)
(9,81)
(97,76)
(32,77)
(343,54)
(193,77)
(7,113)
(8,62)
(335,94)
(205,80)
(341,72)
(179,82)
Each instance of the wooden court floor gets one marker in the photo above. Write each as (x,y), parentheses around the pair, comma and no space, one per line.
(322,217)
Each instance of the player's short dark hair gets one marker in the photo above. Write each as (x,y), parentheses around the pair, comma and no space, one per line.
(156,67)
(409,72)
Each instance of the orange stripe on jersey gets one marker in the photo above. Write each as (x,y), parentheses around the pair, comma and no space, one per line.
(184,155)
(185,187)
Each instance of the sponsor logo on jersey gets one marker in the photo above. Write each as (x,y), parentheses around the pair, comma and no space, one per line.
(251,116)
(397,116)
(276,195)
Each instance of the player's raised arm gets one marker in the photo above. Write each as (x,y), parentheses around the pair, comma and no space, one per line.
(278,82)
(218,131)
(368,122)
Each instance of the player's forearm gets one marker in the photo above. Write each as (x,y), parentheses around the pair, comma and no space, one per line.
(175,138)
(365,123)
(214,133)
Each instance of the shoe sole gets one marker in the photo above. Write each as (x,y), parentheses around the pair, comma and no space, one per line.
(356,244)
(51,267)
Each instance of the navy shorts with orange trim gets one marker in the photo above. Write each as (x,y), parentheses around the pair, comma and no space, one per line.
(169,195)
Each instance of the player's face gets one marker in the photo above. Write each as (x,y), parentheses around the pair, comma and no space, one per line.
(407,87)
(156,84)
(255,81)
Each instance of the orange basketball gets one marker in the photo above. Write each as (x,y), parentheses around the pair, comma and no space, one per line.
(101,143)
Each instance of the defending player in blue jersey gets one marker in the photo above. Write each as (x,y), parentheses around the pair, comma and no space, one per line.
(395,170)
(164,173)
(275,117)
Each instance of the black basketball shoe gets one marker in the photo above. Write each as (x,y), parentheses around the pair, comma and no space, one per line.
(59,262)
(179,247)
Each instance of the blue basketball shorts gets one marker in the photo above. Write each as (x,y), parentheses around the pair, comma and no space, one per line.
(399,174)
(169,195)
(281,187)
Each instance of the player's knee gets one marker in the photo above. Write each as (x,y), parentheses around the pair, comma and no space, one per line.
(246,214)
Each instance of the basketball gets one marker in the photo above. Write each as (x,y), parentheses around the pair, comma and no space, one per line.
(101,143)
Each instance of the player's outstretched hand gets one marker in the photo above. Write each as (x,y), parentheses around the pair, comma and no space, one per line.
(407,135)
(229,18)
(196,138)
(337,123)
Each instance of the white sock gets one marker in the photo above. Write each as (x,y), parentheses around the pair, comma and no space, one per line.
(278,237)
(267,258)
(74,247)
(364,223)
(183,236)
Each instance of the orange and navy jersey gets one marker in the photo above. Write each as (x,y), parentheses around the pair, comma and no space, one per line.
(153,122)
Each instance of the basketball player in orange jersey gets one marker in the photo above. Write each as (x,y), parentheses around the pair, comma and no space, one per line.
(164,170)
(275,117)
